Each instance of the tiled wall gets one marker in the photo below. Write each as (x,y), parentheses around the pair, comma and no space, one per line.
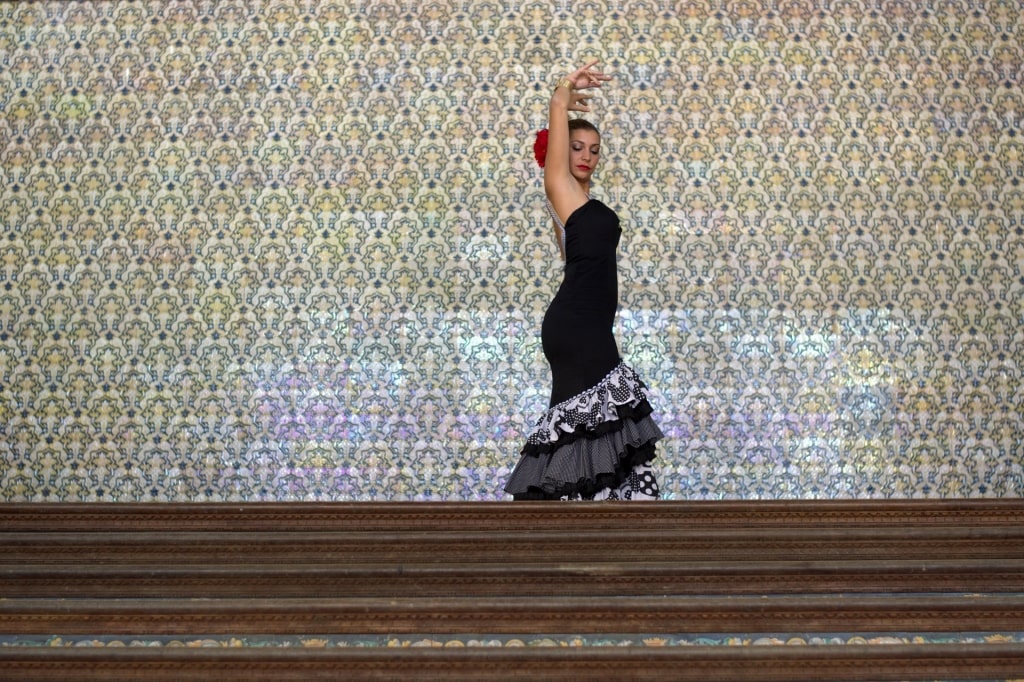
(293,250)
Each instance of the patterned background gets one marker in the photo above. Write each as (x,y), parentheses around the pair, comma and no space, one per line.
(297,250)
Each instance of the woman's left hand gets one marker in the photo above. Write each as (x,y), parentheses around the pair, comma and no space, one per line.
(581,79)
(588,77)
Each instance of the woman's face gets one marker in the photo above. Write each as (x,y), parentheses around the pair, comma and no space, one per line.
(584,153)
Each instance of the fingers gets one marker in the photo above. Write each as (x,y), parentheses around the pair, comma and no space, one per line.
(586,70)
(579,103)
(583,69)
(587,77)
(589,71)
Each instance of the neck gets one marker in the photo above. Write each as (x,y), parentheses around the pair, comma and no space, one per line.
(585,186)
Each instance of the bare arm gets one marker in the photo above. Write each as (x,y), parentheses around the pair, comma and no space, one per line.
(564,193)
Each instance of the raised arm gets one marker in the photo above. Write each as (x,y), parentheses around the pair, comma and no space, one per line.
(562,189)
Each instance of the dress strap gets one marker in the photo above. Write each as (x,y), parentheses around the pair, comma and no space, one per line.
(554,216)
(558,221)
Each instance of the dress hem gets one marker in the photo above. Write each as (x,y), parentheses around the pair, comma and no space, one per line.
(588,488)
(584,466)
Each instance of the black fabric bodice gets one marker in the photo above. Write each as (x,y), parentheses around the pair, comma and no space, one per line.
(577,330)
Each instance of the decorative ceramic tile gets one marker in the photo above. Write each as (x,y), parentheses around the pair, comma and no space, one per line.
(288,250)
(491,640)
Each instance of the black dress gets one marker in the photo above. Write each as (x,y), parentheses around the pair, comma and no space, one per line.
(597,438)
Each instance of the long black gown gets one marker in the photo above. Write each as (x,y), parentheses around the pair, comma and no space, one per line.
(597,438)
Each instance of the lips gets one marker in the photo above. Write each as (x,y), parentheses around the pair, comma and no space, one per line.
(583,167)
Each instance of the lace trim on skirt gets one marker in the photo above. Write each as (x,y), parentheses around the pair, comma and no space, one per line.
(620,394)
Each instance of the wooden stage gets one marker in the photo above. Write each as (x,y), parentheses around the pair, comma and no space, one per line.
(905,580)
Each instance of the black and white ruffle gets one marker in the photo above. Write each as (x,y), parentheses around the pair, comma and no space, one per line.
(592,445)
(621,394)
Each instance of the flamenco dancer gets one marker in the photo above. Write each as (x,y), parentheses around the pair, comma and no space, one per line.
(597,439)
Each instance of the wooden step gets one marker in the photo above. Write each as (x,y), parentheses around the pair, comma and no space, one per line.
(469,614)
(933,569)
(496,516)
(499,546)
(537,579)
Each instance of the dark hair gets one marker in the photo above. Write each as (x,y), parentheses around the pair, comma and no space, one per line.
(582,124)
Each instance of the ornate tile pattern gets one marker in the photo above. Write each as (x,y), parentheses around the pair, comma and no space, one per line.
(288,250)
(560,640)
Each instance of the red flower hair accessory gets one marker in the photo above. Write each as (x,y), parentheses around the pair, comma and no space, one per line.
(540,147)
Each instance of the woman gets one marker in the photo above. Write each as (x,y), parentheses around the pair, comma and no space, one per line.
(597,438)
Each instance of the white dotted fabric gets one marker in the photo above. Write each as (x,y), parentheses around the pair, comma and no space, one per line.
(641,485)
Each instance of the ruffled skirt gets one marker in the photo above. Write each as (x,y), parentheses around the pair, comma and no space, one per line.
(597,445)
